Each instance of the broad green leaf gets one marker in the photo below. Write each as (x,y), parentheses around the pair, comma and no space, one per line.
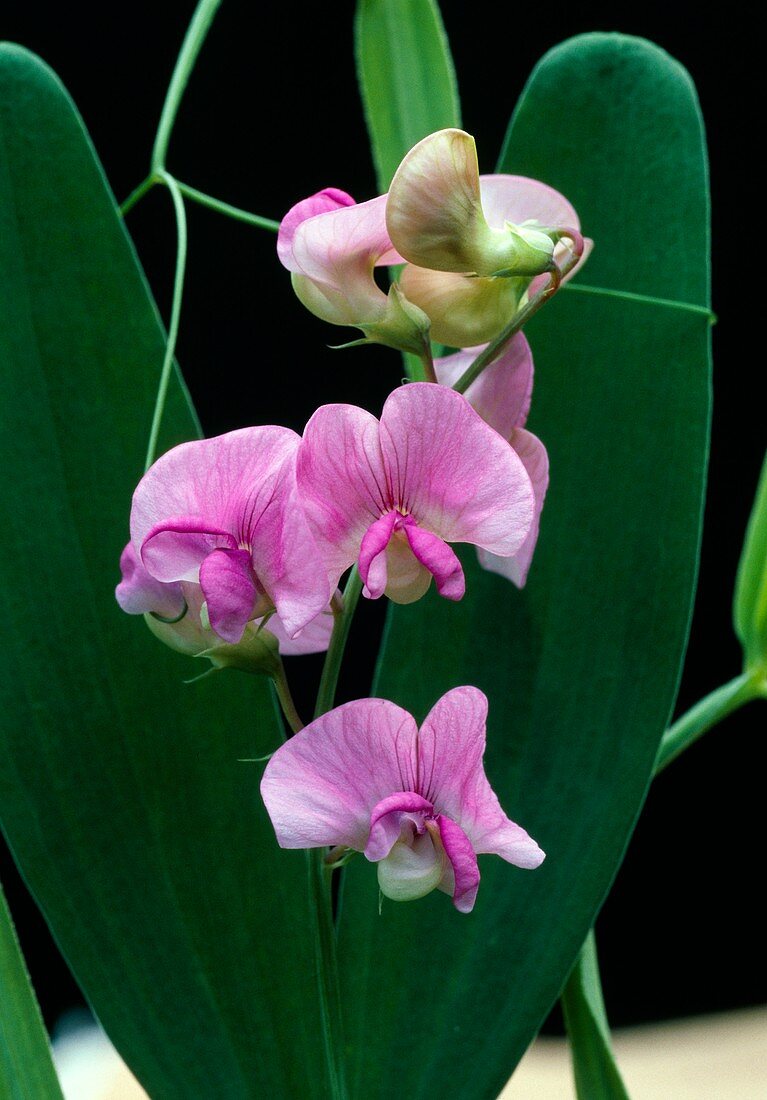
(138,831)
(406,77)
(26,1069)
(581,667)
(594,1069)
(750,610)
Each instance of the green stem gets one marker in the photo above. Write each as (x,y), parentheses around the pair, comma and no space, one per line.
(190,48)
(138,193)
(227,209)
(338,639)
(175,314)
(282,689)
(705,714)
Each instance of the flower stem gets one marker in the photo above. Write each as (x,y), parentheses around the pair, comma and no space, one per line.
(227,209)
(338,639)
(282,690)
(190,48)
(327,971)
(175,315)
(138,193)
(706,713)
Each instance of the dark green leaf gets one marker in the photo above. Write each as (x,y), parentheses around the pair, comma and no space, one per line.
(750,610)
(141,836)
(26,1069)
(581,667)
(406,77)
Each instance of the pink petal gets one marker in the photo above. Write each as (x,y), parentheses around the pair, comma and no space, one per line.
(459,850)
(322,785)
(439,559)
(386,821)
(452,472)
(226,582)
(502,393)
(519,199)
(320,203)
(536,461)
(451,745)
(341,482)
(372,559)
(314,638)
(139,593)
(174,550)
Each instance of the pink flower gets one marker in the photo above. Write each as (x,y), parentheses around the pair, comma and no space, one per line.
(416,802)
(332,245)
(501,395)
(175,613)
(391,495)
(473,243)
(224,513)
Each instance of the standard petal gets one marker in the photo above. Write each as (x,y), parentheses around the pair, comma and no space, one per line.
(519,199)
(442,562)
(463,860)
(341,482)
(453,472)
(463,310)
(386,821)
(503,392)
(322,785)
(536,461)
(451,745)
(138,593)
(321,203)
(227,584)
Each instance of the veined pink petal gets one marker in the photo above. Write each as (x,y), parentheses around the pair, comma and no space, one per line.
(314,638)
(451,745)
(465,876)
(519,199)
(226,582)
(341,482)
(502,393)
(452,472)
(372,559)
(323,201)
(536,461)
(386,821)
(139,593)
(322,785)
(439,559)
(463,310)
(174,550)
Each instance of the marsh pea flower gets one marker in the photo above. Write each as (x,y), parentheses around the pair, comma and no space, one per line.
(332,245)
(391,495)
(223,513)
(501,395)
(473,243)
(416,801)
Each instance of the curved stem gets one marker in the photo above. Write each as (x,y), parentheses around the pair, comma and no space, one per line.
(190,48)
(705,714)
(227,209)
(175,315)
(137,194)
(282,690)
(338,639)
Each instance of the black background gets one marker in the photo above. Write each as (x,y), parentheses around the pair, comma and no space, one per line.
(271,115)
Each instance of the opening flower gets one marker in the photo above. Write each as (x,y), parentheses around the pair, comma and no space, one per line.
(416,802)
(224,513)
(473,243)
(392,494)
(501,395)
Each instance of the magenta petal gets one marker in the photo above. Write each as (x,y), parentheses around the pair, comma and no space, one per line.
(173,551)
(139,593)
(341,481)
(322,785)
(502,393)
(452,472)
(386,821)
(320,203)
(460,852)
(227,584)
(314,638)
(372,559)
(536,461)
(439,559)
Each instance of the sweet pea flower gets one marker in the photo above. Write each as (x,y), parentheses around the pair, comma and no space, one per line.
(416,802)
(224,513)
(177,614)
(473,243)
(390,495)
(332,245)
(501,395)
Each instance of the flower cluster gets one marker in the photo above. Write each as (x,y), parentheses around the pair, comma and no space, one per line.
(238,543)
